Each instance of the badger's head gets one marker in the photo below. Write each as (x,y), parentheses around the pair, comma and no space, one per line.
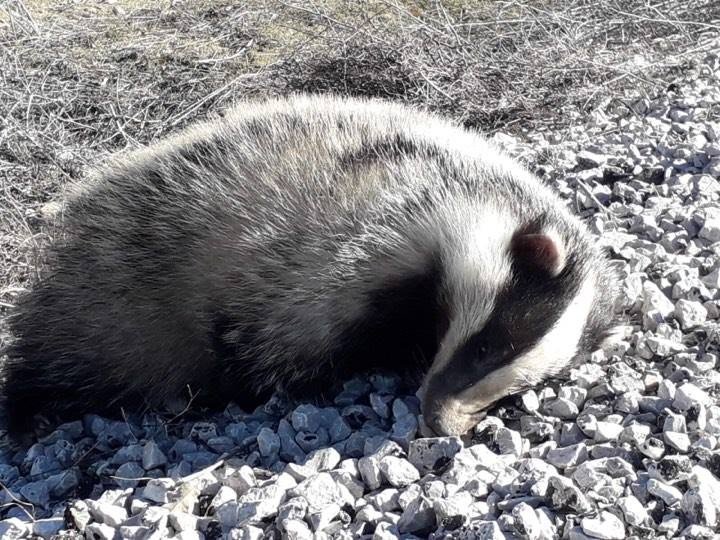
(522,302)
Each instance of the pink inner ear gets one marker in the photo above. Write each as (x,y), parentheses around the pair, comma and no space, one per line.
(540,251)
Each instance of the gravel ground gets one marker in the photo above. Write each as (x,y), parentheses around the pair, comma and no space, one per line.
(626,446)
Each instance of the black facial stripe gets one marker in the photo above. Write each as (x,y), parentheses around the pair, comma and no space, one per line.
(524,312)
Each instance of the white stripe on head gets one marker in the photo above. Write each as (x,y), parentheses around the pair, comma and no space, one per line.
(476,266)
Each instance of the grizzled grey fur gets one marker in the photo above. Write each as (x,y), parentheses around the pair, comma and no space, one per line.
(294,242)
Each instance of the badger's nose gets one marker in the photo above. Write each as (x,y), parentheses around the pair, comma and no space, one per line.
(437,423)
(432,426)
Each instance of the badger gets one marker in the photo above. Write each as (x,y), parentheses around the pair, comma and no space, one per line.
(291,243)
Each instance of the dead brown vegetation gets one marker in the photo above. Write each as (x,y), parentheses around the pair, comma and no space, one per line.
(81,79)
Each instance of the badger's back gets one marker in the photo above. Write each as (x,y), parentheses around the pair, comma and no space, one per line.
(238,255)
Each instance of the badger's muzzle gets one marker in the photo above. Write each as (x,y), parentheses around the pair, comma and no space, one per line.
(445,414)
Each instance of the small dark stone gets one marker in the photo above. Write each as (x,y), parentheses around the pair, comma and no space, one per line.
(453,522)
(213,531)
(204,503)
(486,436)
(612,174)
(654,175)
(441,465)
(713,464)
(349,511)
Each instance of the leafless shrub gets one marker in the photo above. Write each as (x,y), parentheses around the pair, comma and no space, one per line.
(503,62)
(81,79)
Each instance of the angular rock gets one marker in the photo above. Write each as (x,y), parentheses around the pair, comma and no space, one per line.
(418,518)
(568,456)
(268,442)
(690,313)
(688,396)
(561,408)
(633,510)
(296,529)
(152,456)
(433,454)
(526,523)
(398,472)
(128,475)
(670,495)
(677,441)
(565,495)
(605,526)
(319,491)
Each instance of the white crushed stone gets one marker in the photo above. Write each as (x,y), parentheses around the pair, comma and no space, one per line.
(626,446)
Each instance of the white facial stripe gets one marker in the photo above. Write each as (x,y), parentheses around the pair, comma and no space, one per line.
(560,345)
(476,268)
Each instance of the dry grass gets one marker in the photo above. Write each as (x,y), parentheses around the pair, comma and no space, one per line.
(81,79)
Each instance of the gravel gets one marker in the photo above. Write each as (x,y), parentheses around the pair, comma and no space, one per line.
(625,445)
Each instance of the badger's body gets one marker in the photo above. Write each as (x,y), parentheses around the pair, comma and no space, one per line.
(294,242)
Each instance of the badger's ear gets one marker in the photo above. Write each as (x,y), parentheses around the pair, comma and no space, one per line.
(543,251)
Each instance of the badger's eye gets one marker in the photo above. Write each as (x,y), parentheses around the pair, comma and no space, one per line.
(482,348)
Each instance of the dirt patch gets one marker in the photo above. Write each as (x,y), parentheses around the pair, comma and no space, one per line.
(81,80)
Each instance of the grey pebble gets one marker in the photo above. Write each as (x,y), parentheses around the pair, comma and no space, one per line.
(433,454)
(561,408)
(417,516)
(268,442)
(568,456)
(152,456)
(309,441)
(670,495)
(306,418)
(36,492)
(398,472)
(319,491)
(128,475)
(296,529)
(605,526)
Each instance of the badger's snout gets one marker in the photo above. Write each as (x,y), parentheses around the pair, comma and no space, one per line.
(446,412)
(448,419)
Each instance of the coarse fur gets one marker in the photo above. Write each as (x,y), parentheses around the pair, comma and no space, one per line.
(293,242)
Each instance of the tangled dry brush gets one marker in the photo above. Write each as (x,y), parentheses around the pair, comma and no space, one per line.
(81,79)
